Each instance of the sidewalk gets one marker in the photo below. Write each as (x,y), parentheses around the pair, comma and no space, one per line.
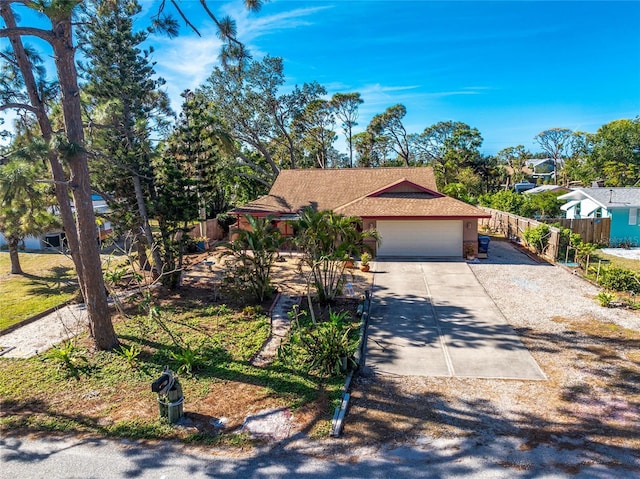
(42,334)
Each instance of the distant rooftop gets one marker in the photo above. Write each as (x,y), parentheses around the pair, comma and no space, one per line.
(607,197)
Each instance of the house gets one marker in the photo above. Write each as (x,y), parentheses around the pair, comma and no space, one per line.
(543,168)
(619,204)
(55,239)
(402,204)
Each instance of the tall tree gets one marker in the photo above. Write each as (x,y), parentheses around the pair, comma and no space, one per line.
(364,144)
(314,127)
(515,157)
(257,116)
(389,124)
(80,231)
(200,142)
(70,146)
(345,106)
(126,105)
(556,143)
(24,205)
(616,152)
(449,146)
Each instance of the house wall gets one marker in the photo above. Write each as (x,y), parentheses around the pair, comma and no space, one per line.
(469,227)
(369,224)
(30,243)
(621,231)
(585,205)
(470,235)
(285,227)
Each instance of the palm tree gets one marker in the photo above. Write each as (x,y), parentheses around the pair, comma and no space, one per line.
(256,250)
(327,239)
(23,207)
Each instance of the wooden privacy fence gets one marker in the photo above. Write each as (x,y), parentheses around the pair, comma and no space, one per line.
(513,227)
(591,230)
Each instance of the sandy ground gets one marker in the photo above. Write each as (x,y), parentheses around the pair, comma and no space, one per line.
(630,253)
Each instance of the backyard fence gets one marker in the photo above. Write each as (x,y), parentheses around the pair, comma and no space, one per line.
(513,227)
(591,230)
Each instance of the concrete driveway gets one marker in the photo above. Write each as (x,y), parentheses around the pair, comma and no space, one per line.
(433,318)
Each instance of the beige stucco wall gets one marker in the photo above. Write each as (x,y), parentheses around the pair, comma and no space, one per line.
(470,235)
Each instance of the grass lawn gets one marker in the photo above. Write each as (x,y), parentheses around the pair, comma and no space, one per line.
(109,393)
(48,280)
(608,259)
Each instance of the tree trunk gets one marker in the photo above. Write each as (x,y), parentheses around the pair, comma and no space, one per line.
(94,292)
(57,172)
(13,255)
(80,234)
(158,264)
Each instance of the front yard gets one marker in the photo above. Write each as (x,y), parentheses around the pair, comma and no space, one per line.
(207,333)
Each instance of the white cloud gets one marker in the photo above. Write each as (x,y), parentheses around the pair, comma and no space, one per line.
(186,61)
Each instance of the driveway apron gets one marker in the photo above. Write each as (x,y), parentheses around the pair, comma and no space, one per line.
(434,318)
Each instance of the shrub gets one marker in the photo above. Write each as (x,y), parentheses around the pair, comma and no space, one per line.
(327,348)
(188,359)
(129,354)
(537,237)
(605,298)
(255,252)
(68,357)
(619,279)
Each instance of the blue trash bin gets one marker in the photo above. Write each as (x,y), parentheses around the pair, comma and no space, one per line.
(483,246)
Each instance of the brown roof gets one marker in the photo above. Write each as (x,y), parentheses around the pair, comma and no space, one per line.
(371,192)
(439,207)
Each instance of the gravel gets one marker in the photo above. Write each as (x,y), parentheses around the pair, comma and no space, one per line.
(530,293)
(583,416)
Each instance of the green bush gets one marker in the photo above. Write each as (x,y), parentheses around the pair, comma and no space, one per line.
(619,279)
(225,220)
(606,299)
(327,348)
(537,237)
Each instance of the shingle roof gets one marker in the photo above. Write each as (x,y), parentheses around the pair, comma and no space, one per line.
(373,192)
(608,197)
(438,207)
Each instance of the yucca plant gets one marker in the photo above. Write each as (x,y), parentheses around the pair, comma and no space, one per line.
(326,348)
(67,357)
(188,358)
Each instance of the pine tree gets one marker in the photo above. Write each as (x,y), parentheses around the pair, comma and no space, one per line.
(126,106)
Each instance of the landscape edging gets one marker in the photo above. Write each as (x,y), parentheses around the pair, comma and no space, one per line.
(35,317)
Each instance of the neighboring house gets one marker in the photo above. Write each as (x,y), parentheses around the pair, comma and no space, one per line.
(402,204)
(546,188)
(523,187)
(55,239)
(543,168)
(619,204)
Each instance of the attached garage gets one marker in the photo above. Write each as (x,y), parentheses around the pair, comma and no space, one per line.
(433,238)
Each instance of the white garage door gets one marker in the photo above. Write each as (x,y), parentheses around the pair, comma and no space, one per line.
(420,238)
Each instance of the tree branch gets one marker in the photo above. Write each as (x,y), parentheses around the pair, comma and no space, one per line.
(184,17)
(45,35)
(18,106)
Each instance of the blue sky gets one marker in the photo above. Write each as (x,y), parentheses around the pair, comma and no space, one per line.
(509,68)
